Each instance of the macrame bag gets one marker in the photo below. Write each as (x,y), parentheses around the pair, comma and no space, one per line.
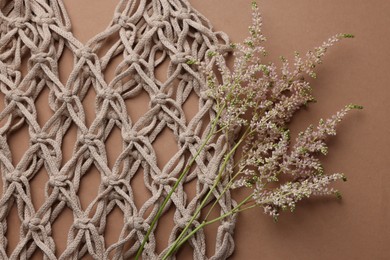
(147,33)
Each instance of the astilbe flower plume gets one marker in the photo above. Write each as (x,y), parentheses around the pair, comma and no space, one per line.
(255,102)
(260,99)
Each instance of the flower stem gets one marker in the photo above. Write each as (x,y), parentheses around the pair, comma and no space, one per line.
(179,243)
(222,193)
(182,175)
(229,183)
(201,206)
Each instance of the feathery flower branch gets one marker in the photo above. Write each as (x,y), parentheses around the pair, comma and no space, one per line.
(254,102)
(261,99)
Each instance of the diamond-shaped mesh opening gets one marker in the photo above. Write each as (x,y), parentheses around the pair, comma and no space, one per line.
(140,192)
(113,146)
(89,109)
(44,112)
(165,147)
(191,106)
(138,106)
(13,228)
(161,71)
(89,186)
(18,143)
(191,180)
(122,249)
(37,185)
(190,190)
(210,231)
(60,229)
(89,27)
(113,228)
(68,142)
(164,229)
(64,70)
(24,68)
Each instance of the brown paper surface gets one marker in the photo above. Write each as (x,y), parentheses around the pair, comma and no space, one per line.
(354,71)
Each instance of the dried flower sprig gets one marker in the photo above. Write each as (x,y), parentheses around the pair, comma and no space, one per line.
(255,101)
(260,98)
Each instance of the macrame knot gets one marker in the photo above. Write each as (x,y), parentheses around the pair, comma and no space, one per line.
(187,137)
(62,197)
(159,99)
(184,220)
(19,22)
(115,196)
(178,58)
(58,181)
(186,77)
(122,20)
(40,57)
(163,179)
(44,19)
(65,97)
(83,223)
(88,139)
(15,95)
(9,69)
(41,137)
(205,95)
(112,115)
(15,176)
(162,116)
(33,224)
(107,93)
(227,227)
(130,136)
(85,53)
(132,58)
(137,223)
(205,179)
(157,21)
(111,180)
(137,156)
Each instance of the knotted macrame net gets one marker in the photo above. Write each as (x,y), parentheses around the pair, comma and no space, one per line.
(145,34)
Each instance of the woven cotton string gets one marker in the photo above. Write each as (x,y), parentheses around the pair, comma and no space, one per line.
(40,30)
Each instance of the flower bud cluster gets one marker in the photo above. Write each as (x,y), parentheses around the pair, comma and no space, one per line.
(260,99)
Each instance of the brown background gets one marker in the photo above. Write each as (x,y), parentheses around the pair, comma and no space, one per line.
(355,71)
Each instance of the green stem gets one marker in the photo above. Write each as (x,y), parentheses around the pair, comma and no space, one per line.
(227,186)
(182,175)
(178,243)
(222,193)
(201,206)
